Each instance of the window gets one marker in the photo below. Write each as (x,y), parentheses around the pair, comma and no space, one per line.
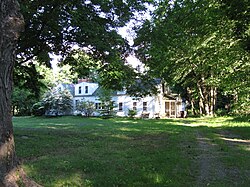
(86,89)
(79,90)
(144,105)
(120,107)
(77,102)
(134,105)
(98,106)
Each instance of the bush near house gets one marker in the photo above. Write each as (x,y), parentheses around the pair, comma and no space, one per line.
(132,113)
(38,109)
(54,103)
(86,108)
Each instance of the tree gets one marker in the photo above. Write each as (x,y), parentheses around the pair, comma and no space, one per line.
(111,75)
(65,75)
(238,11)
(11,25)
(192,44)
(80,64)
(57,102)
(238,85)
(54,27)
(22,101)
(86,107)
(38,109)
(106,104)
(23,98)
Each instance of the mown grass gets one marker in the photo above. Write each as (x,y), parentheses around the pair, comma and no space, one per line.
(75,151)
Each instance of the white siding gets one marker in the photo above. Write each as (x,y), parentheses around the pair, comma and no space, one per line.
(155,104)
(90,86)
(128,101)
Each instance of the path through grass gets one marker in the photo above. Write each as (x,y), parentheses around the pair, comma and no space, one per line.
(74,151)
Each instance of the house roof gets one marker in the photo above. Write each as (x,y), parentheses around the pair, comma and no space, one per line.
(99,91)
(171,96)
(70,87)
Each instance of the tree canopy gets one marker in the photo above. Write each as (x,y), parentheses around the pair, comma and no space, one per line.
(201,46)
(54,27)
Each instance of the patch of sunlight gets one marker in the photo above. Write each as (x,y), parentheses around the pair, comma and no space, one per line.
(172,122)
(30,169)
(129,130)
(246,148)
(201,124)
(49,124)
(75,179)
(49,127)
(236,140)
(100,125)
(157,178)
(62,124)
(207,121)
(189,125)
(21,117)
(244,144)
(121,136)
(127,121)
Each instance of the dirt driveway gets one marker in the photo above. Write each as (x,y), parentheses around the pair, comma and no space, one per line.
(212,170)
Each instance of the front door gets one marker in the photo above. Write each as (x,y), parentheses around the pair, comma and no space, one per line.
(170,109)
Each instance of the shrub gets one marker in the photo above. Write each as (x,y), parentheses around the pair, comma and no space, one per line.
(132,113)
(38,109)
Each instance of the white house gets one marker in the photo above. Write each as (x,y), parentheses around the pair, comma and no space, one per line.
(162,105)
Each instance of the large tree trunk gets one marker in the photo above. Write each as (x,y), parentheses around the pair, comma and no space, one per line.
(208,97)
(202,97)
(192,101)
(11,23)
(213,100)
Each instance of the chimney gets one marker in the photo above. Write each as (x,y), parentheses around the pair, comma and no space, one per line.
(84,80)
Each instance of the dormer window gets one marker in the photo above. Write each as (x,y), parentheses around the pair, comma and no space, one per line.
(80,90)
(86,89)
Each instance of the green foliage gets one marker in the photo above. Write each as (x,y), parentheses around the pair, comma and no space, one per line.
(142,86)
(132,113)
(38,109)
(31,78)
(86,107)
(53,27)
(29,85)
(107,105)
(65,75)
(22,101)
(116,75)
(81,64)
(193,44)
(238,11)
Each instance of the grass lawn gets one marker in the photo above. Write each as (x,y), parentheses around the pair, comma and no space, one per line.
(75,151)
